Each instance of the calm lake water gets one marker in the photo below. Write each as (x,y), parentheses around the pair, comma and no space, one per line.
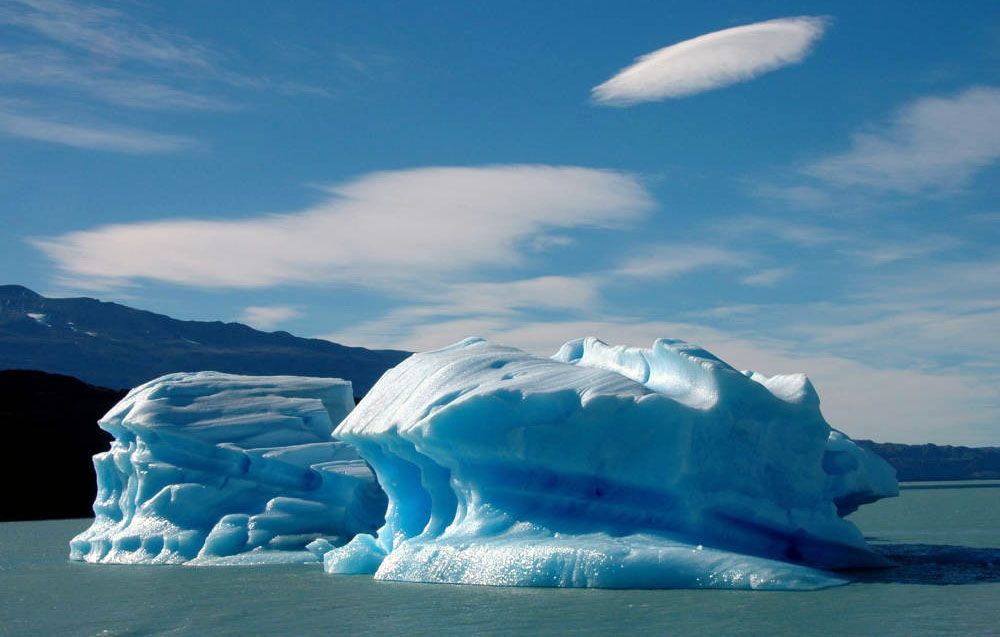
(946,536)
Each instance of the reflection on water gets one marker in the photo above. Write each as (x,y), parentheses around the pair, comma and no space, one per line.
(934,564)
(906,486)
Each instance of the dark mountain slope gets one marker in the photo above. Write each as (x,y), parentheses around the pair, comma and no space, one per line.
(50,432)
(938,462)
(113,345)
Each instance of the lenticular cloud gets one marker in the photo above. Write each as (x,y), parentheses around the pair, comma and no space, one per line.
(712,61)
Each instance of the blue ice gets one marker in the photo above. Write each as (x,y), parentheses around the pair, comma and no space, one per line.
(606,466)
(212,468)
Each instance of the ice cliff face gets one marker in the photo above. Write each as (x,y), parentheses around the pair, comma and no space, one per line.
(219,468)
(606,467)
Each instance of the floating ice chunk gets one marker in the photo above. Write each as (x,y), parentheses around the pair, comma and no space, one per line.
(218,468)
(603,466)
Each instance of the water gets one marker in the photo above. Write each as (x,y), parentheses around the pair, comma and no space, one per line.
(948,540)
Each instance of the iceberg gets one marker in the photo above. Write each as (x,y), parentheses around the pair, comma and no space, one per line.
(606,466)
(212,468)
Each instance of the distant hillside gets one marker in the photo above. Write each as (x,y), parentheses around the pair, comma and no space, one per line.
(938,462)
(113,345)
(50,432)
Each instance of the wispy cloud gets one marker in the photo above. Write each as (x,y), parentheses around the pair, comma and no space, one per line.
(891,251)
(544,292)
(394,228)
(266,317)
(96,136)
(477,305)
(935,143)
(105,32)
(790,230)
(795,195)
(87,57)
(712,61)
(766,277)
(669,260)
(47,67)
(891,244)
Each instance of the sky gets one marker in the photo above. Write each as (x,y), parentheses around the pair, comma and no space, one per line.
(795,186)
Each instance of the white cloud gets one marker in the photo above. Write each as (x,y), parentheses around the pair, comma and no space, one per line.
(891,251)
(766,277)
(387,229)
(670,260)
(545,292)
(266,317)
(94,136)
(933,143)
(712,61)
(482,303)
(545,243)
(795,232)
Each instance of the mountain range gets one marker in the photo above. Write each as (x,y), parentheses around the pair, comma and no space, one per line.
(112,345)
(915,463)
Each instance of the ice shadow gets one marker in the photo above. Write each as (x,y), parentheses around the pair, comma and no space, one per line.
(949,485)
(935,564)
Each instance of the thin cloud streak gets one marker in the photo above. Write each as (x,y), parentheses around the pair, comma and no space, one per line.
(105,32)
(390,229)
(665,261)
(79,53)
(767,277)
(266,317)
(712,61)
(42,66)
(94,137)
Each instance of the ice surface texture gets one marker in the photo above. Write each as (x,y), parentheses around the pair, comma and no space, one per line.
(210,468)
(606,467)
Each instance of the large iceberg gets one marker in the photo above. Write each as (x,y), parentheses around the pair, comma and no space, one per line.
(211,468)
(606,466)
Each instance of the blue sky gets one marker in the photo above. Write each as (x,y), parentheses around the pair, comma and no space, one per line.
(807,186)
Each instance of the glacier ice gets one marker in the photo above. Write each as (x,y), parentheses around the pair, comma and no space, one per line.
(212,468)
(606,466)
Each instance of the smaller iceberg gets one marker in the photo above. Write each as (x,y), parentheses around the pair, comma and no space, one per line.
(212,468)
(606,466)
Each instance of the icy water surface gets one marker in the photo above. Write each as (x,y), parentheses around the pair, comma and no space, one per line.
(946,536)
